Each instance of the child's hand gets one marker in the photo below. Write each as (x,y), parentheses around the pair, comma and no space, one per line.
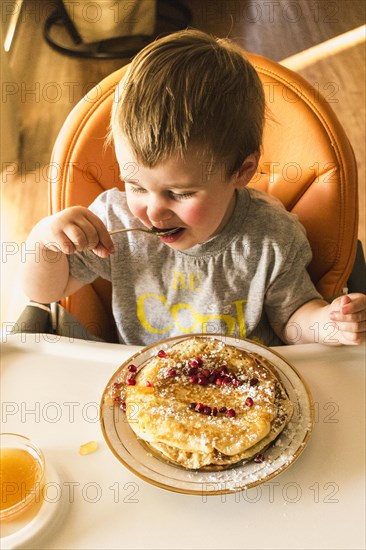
(74,229)
(349,313)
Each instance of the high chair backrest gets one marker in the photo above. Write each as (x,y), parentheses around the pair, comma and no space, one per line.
(307,162)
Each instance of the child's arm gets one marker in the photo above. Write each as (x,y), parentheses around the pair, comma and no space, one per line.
(341,322)
(46,276)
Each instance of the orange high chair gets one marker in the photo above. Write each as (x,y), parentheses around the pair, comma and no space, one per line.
(307,163)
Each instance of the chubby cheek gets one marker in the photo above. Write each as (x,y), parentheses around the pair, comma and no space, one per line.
(203,215)
(194,215)
(136,207)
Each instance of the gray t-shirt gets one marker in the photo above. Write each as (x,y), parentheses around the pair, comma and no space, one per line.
(246,280)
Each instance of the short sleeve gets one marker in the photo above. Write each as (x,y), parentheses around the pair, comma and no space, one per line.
(291,286)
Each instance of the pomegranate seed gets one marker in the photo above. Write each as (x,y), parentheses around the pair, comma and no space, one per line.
(226,380)
(259,458)
(207,410)
(206,373)
(214,411)
(161,353)
(149,384)
(212,379)
(219,381)
(132,368)
(235,382)
(196,362)
(249,402)
(200,407)
(172,372)
(192,371)
(254,381)
(118,385)
(222,410)
(231,413)
(193,379)
(192,405)
(123,406)
(202,381)
(131,381)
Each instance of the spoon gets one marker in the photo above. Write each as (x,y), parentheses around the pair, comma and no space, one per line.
(151,231)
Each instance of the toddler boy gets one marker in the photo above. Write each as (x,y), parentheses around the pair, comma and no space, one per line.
(187,127)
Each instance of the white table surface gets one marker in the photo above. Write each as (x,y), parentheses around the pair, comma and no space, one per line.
(50,391)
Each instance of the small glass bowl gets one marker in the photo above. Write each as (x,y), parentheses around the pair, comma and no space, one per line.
(32,494)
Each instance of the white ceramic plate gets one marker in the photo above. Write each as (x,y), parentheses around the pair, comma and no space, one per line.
(135,456)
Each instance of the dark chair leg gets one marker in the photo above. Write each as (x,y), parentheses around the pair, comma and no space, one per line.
(357,279)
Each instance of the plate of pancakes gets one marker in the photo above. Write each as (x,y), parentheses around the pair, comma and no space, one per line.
(204,414)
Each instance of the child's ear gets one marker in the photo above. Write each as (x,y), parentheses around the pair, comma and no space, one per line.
(247,170)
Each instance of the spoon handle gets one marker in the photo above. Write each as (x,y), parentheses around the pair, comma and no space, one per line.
(153,231)
(124,229)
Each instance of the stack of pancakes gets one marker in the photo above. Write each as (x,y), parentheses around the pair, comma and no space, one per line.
(203,404)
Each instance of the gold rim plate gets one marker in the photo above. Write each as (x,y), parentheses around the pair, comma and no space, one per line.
(137,457)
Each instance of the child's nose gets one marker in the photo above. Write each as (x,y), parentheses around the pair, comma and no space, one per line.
(158,210)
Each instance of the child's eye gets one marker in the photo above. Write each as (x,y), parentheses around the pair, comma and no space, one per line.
(181,196)
(175,196)
(137,190)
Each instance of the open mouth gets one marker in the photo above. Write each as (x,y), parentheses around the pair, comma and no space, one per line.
(172,235)
(165,232)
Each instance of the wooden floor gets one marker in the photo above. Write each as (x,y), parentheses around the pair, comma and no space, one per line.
(50,84)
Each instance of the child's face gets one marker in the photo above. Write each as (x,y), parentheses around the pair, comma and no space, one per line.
(177,193)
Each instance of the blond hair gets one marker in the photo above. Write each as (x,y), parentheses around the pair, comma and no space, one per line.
(190,90)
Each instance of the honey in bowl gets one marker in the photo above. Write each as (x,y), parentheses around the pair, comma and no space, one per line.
(21,474)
